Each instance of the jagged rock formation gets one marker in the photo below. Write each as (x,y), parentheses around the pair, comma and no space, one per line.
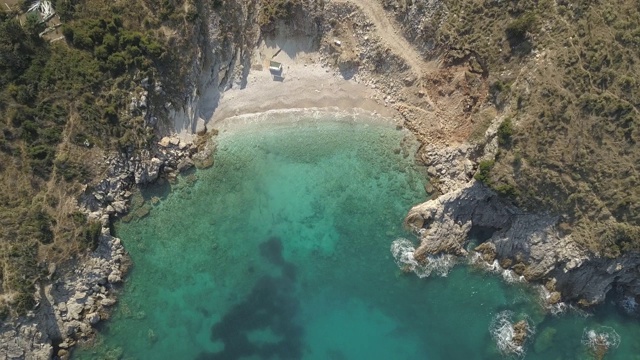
(529,244)
(75,298)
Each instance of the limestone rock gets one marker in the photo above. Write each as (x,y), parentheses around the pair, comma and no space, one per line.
(201,126)
(165,142)
(185,164)
(531,241)
(114,277)
(452,166)
(74,310)
(107,302)
(147,171)
(93,318)
(120,207)
(447,220)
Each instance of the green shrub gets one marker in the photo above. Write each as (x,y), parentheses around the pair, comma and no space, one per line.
(518,28)
(110,42)
(192,14)
(117,64)
(24,301)
(101,52)
(32,25)
(70,170)
(92,234)
(483,174)
(506,190)
(273,10)
(4,312)
(78,217)
(505,131)
(110,114)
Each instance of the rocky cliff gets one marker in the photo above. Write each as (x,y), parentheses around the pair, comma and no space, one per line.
(220,50)
(78,294)
(531,244)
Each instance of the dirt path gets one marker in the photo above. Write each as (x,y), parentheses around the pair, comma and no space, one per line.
(388,32)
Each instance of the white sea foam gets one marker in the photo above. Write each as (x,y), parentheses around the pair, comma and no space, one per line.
(510,276)
(600,340)
(503,333)
(556,308)
(403,253)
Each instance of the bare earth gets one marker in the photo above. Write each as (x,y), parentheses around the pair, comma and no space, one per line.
(386,31)
(437,107)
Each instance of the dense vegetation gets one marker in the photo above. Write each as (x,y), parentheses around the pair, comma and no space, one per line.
(272,11)
(564,76)
(62,105)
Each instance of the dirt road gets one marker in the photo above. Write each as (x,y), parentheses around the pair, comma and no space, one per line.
(388,32)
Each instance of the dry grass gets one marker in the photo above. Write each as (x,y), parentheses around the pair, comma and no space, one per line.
(573,95)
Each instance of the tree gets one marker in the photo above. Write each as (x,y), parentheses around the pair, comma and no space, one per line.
(33,25)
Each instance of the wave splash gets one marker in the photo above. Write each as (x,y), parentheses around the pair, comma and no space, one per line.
(510,336)
(600,340)
(509,276)
(403,254)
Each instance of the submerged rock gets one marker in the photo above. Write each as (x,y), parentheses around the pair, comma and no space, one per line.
(600,341)
(544,340)
(510,337)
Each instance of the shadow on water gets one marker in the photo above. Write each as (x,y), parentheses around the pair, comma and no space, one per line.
(271,306)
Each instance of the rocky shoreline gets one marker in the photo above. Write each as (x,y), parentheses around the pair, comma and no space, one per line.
(73,300)
(529,244)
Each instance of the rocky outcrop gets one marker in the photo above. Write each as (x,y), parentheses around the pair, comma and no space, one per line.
(453,166)
(25,340)
(529,244)
(77,296)
(445,222)
(68,307)
(78,301)
(222,46)
(110,196)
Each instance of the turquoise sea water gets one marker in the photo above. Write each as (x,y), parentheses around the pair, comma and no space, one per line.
(282,251)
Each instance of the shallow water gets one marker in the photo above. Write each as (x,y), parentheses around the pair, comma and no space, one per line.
(282,251)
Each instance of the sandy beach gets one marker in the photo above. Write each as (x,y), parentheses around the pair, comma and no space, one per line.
(305,84)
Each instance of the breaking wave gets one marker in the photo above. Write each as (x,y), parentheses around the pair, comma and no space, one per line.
(555,308)
(509,340)
(508,276)
(403,254)
(600,340)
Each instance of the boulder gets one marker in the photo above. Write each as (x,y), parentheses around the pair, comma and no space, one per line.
(93,318)
(185,164)
(74,310)
(165,142)
(107,302)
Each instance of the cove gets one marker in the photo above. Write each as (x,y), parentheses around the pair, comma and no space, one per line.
(281,250)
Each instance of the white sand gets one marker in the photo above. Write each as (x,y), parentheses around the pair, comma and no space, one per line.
(306,85)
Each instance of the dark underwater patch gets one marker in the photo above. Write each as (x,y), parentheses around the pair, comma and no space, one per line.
(272,306)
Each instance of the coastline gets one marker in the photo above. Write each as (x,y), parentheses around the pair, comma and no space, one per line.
(304,116)
(309,85)
(70,309)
